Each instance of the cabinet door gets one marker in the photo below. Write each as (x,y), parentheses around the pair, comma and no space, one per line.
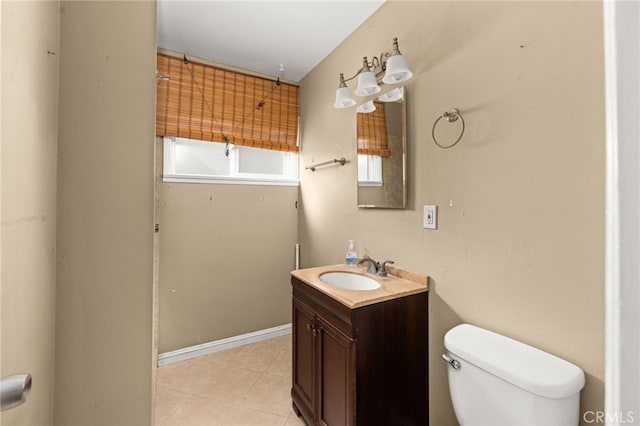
(336,387)
(304,359)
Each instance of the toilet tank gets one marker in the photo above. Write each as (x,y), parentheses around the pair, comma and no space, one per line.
(500,381)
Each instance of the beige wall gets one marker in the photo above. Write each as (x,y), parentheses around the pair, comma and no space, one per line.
(225,256)
(105,214)
(519,245)
(29,144)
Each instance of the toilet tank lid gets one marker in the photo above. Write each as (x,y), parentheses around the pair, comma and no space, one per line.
(522,365)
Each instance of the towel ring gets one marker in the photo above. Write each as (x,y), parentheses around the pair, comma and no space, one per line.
(451,116)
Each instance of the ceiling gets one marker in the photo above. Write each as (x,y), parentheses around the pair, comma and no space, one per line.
(260,36)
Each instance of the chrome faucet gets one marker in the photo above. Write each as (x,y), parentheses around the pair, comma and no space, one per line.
(373,267)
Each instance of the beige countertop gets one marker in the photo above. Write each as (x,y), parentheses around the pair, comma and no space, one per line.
(398,283)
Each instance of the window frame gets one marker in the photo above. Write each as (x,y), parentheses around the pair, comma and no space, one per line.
(235,177)
(371,165)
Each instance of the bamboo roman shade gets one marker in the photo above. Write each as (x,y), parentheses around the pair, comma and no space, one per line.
(372,132)
(209,103)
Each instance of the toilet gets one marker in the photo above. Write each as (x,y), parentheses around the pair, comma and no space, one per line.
(498,381)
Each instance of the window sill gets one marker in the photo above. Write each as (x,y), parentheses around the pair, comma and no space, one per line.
(229,180)
(369,183)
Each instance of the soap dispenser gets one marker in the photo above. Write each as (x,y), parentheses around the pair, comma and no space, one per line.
(351,257)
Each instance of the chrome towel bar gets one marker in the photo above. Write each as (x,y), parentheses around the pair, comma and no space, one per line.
(312,167)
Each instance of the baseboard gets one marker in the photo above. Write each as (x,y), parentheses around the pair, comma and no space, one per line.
(222,344)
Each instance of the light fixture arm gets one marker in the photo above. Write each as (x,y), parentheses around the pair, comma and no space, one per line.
(366,67)
(343,80)
(377,65)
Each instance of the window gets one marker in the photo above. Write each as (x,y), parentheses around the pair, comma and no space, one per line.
(372,132)
(190,160)
(369,170)
(222,126)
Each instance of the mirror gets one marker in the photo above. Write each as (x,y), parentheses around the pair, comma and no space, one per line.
(381,141)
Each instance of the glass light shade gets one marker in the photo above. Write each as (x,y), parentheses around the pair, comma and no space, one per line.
(366,107)
(392,95)
(397,70)
(344,98)
(367,84)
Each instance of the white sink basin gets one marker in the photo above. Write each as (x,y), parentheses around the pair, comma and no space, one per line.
(349,281)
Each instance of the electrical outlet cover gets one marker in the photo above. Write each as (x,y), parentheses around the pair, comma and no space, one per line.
(429,217)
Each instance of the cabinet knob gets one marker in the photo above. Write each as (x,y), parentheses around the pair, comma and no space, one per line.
(312,329)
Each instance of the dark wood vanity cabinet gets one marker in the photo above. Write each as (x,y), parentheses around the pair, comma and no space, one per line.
(365,366)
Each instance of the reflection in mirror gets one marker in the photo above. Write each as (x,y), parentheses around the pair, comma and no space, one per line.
(381,136)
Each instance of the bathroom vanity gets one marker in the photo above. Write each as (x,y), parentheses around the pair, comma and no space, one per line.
(360,356)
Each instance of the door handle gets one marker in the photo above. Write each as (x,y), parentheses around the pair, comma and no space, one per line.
(14,390)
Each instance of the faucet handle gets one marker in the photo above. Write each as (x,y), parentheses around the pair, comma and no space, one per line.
(382,270)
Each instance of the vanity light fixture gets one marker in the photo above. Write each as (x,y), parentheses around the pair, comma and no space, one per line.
(367,83)
(391,68)
(366,107)
(391,95)
(344,98)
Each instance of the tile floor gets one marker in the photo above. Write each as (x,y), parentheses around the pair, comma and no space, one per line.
(244,386)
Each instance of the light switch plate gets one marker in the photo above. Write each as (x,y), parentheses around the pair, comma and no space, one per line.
(429,217)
